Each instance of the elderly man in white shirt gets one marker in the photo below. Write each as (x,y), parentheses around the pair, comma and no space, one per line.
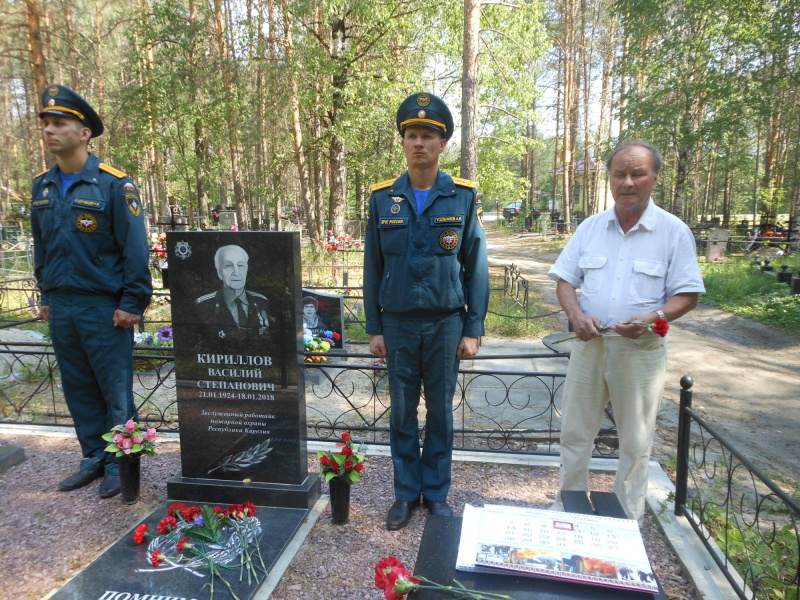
(634,263)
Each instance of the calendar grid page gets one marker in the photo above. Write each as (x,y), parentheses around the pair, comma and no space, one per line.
(545,543)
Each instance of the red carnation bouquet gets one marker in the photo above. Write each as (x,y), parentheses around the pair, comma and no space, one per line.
(396,581)
(193,537)
(346,463)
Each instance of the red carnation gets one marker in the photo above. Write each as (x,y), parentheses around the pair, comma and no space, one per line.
(139,533)
(359,467)
(166,525)
(175,507)
(346,437)
(181,542)
(383,568)
(347,451)
(348,465)
(661,327)
(156,558)
(190,513)
(249,509)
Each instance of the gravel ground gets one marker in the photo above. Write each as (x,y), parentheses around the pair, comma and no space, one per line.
(47,536)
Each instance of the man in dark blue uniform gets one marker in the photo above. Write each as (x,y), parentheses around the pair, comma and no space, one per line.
(91,262)
(426,292)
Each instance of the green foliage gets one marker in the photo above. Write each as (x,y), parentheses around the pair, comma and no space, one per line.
(738,287)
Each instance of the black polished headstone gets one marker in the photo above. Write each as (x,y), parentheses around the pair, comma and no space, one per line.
(122,572)
(241,395)
(328,317)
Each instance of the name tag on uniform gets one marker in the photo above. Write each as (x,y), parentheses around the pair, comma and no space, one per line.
(41,203)
(393,222)
(90,204)
(442,220)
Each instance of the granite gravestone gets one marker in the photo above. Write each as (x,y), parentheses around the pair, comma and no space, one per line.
(237,325)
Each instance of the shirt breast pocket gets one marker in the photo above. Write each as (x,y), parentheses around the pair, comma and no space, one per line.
(592,267)
(648,281)
(394,238)
(447,230)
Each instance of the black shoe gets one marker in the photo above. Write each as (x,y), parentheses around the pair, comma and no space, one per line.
(440,509)
(80,479)
(110,486)
(400,514)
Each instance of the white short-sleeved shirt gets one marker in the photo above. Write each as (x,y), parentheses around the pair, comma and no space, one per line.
(625,274)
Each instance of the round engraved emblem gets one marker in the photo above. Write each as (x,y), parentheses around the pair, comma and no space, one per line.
(421,114)
(448,240)
(51,102)
(183,250)
(53,90)
(423,100)
(395,209)
(86,223)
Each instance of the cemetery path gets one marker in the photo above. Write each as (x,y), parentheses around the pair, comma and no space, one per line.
(746,376)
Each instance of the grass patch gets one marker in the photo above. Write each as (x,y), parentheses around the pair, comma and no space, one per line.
(738,287)
(506,318)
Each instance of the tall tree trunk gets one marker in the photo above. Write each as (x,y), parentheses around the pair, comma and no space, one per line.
(200,142)
(469,90)
(101,77)
(297,129)
(231,111)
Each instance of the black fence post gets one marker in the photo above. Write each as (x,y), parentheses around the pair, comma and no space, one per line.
(684,426)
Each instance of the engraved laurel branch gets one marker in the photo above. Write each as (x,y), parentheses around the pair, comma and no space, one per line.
(244,459)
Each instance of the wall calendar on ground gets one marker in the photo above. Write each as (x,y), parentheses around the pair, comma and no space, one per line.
(544,543)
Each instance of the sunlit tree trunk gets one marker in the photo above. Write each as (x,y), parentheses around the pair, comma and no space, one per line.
(469,90)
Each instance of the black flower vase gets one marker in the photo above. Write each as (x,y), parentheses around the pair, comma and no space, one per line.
(129,478)
(340,500)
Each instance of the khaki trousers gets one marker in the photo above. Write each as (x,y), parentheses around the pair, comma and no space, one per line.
(630,374)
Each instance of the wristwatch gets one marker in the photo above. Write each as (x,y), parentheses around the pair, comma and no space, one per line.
(661,314)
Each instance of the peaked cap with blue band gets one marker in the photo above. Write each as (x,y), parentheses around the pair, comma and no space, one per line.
(61,100)
(427,110)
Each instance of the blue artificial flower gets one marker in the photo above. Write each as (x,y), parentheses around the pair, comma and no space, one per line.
(165,333)
(327,334)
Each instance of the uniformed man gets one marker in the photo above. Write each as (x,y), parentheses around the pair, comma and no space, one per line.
(91,262)
(232,310)
(426,292)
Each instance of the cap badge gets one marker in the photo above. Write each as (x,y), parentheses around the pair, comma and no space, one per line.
(395,209)
(421,114)
(53,90)
(423,100)
(51,102)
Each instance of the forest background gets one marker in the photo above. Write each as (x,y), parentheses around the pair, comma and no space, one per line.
(265,106)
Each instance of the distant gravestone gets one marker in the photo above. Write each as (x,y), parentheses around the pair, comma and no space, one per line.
(717,243)
(327,316)
(227,219)
(241,394)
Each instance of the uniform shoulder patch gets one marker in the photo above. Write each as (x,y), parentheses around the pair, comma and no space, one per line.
(465,182)
(382,185)
(257,295)
(115,172)
(206,297)
(42,174)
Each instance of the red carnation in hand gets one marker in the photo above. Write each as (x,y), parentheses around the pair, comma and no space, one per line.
(139,533)
(661,327)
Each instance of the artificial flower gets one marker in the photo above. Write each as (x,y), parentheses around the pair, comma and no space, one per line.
(345,463)
(130,439)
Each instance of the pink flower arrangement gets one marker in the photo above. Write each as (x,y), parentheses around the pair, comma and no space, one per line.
(131,438)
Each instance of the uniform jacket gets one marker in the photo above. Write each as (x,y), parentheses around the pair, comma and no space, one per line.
(213,310)
(91,241)
(429,264)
